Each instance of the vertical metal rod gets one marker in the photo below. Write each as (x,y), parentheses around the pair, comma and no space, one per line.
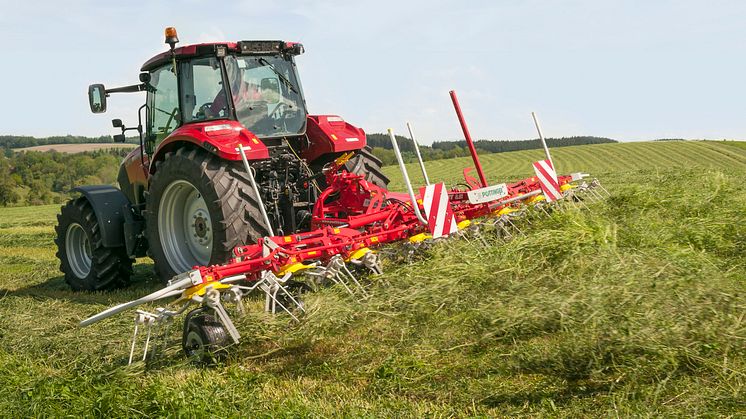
(147,343)
(263,210)
(543,141)
(469,142)
(405,175)
(417,152)
(134,339)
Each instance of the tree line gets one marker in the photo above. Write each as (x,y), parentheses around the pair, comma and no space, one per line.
(20,141)
(35,178)
(382,148)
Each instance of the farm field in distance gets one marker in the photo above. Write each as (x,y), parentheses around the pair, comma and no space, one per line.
(636,306)
(77,148)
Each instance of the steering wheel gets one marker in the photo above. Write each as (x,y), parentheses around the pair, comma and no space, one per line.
(204,111)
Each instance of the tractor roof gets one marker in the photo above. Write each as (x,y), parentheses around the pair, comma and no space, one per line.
(245,47)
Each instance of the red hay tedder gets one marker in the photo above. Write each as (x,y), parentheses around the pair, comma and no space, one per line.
(236,189)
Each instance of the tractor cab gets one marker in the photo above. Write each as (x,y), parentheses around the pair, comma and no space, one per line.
(252,82)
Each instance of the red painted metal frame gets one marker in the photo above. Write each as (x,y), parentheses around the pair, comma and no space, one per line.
(352,214)
(469,142)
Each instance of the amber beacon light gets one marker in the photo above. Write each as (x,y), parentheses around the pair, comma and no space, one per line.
(171,37)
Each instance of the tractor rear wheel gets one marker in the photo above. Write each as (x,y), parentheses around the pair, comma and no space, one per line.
(86,263)
(197,209)
(365,163)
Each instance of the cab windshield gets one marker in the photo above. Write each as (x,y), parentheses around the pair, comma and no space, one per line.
(266,94)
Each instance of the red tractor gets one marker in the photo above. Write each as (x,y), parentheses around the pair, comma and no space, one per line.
(184,197)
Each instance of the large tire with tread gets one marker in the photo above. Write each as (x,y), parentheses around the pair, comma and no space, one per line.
(365,163)
(229,215)
(86,263)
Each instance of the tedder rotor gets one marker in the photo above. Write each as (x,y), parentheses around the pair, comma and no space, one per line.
(235,190)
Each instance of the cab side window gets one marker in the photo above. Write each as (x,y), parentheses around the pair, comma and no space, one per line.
(163,104)
(203,96)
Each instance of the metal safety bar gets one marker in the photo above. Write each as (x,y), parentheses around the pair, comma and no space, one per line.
(405,175)
(417,152)
(249,171)
(543,141)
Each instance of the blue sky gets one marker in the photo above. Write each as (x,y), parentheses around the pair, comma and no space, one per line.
(630,70)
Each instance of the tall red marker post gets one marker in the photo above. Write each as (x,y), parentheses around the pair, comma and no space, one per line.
(467,136)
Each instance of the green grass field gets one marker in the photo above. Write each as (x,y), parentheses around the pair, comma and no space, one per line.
(636,307)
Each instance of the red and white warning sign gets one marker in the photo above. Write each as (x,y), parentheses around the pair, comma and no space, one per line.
(440,219)
(548,180)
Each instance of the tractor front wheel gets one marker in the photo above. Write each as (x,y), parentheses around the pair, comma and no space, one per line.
(86,263)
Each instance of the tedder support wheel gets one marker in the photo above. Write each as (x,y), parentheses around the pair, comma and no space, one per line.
(205,338)
(198,208)
(366,163)
(86,263)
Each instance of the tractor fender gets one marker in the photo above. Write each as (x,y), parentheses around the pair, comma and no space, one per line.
(109,204)
(329,134)
(221,138)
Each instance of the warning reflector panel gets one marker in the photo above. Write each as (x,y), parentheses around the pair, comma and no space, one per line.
(548,180)
(440,219)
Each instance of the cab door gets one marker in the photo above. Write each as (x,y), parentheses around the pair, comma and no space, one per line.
(163,106)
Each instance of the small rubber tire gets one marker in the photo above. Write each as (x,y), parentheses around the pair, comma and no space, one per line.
(103,268)
(205,339)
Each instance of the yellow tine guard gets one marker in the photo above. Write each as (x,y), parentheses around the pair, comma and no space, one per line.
(292,268)
(505,211)
(419,238)
(358,254)
(201,289)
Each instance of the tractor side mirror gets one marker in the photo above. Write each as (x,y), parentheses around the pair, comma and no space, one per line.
(119,138)
(117,123)
(97,98)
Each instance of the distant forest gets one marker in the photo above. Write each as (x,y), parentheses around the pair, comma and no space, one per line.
(16,141)
(33,178)
(382,148)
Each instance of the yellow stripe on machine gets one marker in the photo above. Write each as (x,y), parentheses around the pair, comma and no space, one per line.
(566,186)
(463,224)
